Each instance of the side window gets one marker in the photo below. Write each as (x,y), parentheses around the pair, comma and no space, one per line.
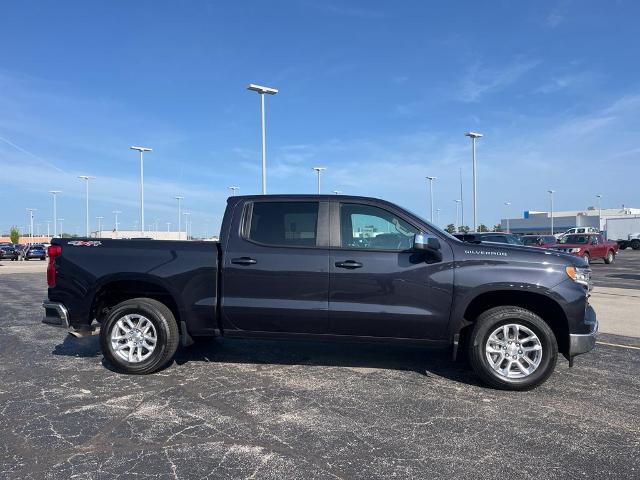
(283,223)
(364,226)
(495,238)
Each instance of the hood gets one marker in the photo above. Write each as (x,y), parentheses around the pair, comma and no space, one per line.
(523,253)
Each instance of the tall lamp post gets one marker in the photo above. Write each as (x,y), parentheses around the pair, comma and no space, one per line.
(599,196)
(234,190)
(437,216)
(506,204)
(457,200)
(61,220)
(99,224)
(141,150)
(319,171)
(115,225)
(262,91)
(55,211)
(86,179)
(30,211)
(431,179)
(474,136)
(186,223)
(551,192)
(179,217)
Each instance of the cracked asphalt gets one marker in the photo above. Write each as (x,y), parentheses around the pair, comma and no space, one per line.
(267,409)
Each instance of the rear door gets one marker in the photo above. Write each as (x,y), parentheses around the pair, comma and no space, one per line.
(275,268)
(379,286)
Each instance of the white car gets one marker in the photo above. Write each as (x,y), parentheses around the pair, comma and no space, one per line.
(578,230)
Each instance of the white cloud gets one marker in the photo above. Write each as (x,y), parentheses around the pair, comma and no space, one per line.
(480,80)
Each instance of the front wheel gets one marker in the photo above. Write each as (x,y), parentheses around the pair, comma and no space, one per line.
(512,348)
(139,336)
(610,258)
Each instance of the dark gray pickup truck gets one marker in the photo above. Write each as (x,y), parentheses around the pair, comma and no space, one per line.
(326,267)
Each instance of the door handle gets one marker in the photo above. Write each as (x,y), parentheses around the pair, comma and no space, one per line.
(350,264)
(244,261)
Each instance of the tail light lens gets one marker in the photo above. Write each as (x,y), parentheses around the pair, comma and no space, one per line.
(53,251)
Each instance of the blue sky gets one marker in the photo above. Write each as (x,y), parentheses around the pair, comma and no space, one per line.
(379,93)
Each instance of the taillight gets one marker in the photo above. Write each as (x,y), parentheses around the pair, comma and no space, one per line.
(53,251)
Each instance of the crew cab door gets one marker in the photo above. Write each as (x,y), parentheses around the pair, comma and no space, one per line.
(275,268)
(379,286)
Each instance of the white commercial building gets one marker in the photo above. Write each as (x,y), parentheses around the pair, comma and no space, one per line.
(159,235)
(540,222)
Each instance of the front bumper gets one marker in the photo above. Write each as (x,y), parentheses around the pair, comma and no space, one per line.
(56,314)
(583,342)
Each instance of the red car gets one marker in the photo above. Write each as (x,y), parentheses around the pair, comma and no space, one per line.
(588,246)
(540,241)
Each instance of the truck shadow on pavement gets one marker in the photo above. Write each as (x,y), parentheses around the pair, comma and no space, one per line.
(425,361)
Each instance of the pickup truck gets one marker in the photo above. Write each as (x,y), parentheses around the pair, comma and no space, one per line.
(326,267)
(590,246)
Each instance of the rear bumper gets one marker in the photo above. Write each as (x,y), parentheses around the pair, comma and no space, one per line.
(583,342)
(57,315)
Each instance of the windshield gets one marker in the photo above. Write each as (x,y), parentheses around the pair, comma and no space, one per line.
(575,239)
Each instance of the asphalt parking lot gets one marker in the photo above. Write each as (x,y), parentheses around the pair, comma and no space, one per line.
(266,409)
(623,273)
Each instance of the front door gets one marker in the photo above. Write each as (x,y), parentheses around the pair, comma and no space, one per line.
(275,272)
(379,286)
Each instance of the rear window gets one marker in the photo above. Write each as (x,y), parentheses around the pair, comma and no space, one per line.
(283,223)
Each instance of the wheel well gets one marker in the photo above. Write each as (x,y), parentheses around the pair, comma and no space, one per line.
(111,294)
(543,306)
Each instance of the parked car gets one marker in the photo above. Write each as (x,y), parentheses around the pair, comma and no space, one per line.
(575,230)
(495,237)
(589,246)
(540,241)
(293,266)
(8,252)
(35,251)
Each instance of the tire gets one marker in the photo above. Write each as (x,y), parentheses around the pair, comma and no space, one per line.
(635,244)
(623,246)
(610,258)
(587,257)
(487,364)
(139,311)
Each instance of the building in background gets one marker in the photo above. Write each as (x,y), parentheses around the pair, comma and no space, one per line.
(159,235)
(533,222)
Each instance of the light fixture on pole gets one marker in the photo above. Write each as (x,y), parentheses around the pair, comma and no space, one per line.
(262,91)
(337,192)
(507,210)
(431,179)
(179,217)
(141,150)
(99,225)
(319,171)
(457,200)
(473,136)
(30,211)
(86,179)
(55,211)
(115,225)
(599,196)
(551,192)
(234,190)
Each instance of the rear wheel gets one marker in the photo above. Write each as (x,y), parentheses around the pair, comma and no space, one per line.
(512,348)
(635,244)
(139,336)
(610,258)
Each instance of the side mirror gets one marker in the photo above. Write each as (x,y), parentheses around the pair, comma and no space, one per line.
(422,241)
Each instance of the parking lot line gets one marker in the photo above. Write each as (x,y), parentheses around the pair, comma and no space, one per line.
(618,345)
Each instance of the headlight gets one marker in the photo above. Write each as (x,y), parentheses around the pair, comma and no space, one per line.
(574,250)
(580,275)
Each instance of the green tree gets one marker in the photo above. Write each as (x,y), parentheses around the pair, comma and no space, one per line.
(482,228)
(497,228)
(464,229)
(14,234)
(451,228)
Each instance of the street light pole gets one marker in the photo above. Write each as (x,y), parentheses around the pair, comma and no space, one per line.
(437,216)
(48,223)
(99,225)
(457,207)
(141,150)
(179,218)
(431,179)
(116,212)
(599,196)
(507,209)
(31,210)
(61,220)
(234,190)
(168,227)
(186,223)
(474,136)
(551,192)
(262,91)
(55,211)
(86,179)
(319,171)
